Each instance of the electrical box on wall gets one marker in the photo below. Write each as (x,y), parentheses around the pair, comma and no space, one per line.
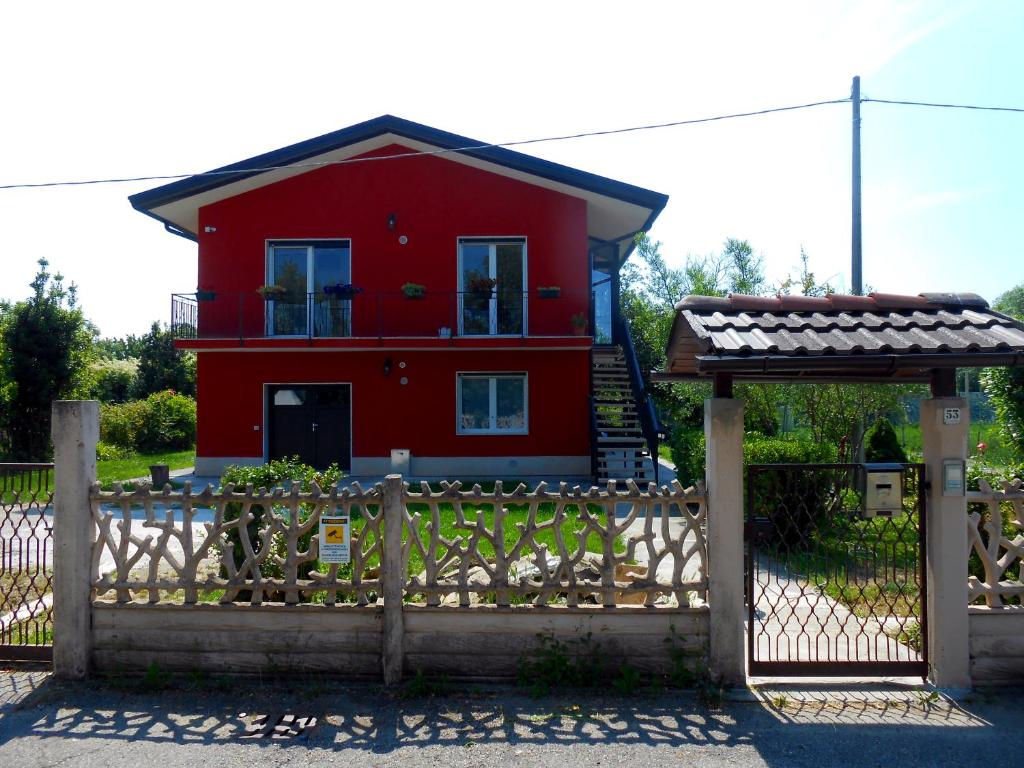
(883,490)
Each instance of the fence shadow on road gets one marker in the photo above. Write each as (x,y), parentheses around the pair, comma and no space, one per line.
(367,718)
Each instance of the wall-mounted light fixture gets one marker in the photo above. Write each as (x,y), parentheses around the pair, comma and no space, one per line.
(387,366)
(208,228)
(392,221)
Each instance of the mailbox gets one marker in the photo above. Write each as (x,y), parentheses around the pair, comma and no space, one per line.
(883,490)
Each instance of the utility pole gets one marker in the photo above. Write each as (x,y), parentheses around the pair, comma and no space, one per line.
(858,285)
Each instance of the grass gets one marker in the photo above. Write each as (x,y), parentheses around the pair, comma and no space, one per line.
(108,472)
(35,631)
(13,585)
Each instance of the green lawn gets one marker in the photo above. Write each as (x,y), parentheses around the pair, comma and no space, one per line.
(108,472)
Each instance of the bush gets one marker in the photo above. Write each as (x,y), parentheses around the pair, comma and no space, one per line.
(1005,389)
(113,380)
(271,475)
(793,500)
(108,452)
(170,423)
(882,444)
(688,452)
(120,424)
(164,421)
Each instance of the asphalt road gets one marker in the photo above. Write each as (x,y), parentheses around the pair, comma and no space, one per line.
(218,722)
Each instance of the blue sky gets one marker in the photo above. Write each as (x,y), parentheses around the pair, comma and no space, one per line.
(109,89)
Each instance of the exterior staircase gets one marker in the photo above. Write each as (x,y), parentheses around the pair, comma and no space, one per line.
(621,450)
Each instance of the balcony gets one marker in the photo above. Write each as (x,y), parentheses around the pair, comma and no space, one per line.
(241,316)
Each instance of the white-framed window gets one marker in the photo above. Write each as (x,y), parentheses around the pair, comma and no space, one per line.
(498,262)
(492,403)
(304,268)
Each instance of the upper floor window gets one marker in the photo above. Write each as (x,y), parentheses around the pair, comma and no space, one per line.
(304,268)
(492,286)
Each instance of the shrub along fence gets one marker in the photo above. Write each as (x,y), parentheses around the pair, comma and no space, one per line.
(441,579)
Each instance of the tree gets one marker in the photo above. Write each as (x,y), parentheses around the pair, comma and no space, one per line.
(163,367)
(1005,386)
(745,270)
(45,349)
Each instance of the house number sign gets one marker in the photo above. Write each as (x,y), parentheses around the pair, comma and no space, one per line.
(950,415)
(335,539)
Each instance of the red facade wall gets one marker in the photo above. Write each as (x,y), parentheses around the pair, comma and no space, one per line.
(435,201)
(386,414)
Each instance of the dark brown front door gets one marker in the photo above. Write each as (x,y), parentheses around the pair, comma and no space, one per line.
(312,422)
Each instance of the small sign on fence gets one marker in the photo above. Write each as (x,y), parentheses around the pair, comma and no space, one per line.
(335,540)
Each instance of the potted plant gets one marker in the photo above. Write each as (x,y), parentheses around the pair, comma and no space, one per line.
(549,291)
(204,295)
(342,290)
(579,324)
(272,292)
(414,290)
(481,286)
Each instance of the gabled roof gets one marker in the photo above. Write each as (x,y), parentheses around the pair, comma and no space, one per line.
(616,209)
(879,337)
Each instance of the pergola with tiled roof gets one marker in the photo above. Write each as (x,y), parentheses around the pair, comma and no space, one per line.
(875,338)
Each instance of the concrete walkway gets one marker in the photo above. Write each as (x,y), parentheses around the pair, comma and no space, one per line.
(243,722)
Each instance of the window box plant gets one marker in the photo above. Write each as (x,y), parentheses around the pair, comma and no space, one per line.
(342,290)
(481,286)
(202,295)
(272,292)
(579,324)
(549,291)
(414,290)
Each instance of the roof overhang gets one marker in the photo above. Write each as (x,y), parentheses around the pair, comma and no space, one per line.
(615,209)
(876,338)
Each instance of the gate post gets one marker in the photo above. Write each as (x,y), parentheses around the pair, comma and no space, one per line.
(75,427)
(946,546)
(723,437)
(393,576)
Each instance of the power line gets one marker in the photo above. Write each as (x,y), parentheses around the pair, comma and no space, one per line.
(522,142)
(946,106)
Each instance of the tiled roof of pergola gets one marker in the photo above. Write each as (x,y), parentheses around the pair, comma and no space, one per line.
(879,337)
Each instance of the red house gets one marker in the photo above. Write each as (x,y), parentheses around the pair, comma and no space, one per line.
(391,296)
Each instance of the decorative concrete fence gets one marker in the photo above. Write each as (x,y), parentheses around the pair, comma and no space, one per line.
(997,629)
(441,580)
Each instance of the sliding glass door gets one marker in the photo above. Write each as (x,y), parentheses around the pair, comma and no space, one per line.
(492,286)
(304,270)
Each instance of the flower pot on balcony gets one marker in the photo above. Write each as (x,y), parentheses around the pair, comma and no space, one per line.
(549,292)
(272,292)
(414,291)
(341,291)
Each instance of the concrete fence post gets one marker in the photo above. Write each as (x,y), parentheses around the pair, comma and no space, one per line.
(75,430)
(393,576)
(946,544)
(723,435)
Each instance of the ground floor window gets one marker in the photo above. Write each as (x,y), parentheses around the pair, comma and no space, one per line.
(491,403)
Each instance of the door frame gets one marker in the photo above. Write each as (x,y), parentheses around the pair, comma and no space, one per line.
(265,426)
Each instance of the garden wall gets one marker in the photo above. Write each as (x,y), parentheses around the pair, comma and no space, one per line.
(997,645)
(482,643)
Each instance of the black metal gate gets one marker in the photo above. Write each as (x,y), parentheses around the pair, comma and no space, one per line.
(26,562)
(831,589)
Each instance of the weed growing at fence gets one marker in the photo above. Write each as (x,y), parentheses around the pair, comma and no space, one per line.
(423,686)
(556,664)
(155,679)
(629,680)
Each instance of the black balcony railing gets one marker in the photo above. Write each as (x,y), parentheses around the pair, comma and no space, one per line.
(247,315)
